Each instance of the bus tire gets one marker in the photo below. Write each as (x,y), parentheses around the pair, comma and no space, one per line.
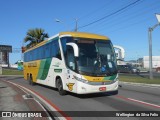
(31,81)
(28,79)
(59,85)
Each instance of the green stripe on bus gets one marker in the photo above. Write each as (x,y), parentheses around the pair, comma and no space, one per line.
(110,77)
(44,68)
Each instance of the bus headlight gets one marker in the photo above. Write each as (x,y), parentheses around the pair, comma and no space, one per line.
(81,80)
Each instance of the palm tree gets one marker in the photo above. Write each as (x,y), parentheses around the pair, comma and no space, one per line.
(35,36)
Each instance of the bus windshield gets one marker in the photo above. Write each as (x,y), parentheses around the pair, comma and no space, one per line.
(96,57)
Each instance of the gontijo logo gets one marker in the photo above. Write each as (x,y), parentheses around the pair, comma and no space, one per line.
(70,86)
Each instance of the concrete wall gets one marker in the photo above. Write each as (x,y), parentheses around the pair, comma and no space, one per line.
(155,61)
(4,57)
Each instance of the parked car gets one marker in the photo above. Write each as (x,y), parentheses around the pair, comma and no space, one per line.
(127,69)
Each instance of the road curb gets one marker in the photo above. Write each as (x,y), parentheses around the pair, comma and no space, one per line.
(18,105)
(140,84)
(60,115)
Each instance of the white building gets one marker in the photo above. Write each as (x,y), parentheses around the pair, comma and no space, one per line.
(155,61)
(120,54)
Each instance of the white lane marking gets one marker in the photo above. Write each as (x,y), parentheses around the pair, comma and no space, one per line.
(49,118)
(45,102)
(146,103)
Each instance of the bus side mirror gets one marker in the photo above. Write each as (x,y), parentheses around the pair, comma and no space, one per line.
(75,48)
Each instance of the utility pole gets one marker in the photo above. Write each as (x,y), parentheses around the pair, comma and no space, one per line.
(150,29)
(150,52)
(0,63)
(76,27)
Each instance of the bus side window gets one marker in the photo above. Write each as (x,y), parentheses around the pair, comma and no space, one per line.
(47,51)
(58,52)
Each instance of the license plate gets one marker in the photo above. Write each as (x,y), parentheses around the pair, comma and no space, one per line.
(102,89)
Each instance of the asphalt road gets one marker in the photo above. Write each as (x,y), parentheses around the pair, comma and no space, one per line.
(130,98)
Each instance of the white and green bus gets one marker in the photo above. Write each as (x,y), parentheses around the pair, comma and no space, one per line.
(77,62)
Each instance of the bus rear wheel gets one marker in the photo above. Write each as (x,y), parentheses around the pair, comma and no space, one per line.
(59,85)
(31,81)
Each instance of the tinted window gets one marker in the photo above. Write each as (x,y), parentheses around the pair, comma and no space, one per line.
(48,50)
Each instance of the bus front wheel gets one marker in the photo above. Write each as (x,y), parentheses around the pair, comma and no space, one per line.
(59,85)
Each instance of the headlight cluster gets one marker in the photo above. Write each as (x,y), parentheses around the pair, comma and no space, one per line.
(81,80)
(96,83)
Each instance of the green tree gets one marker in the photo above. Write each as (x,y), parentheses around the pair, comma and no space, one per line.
(35,36)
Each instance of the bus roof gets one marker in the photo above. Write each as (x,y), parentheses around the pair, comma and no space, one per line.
(73,34)
(84,35)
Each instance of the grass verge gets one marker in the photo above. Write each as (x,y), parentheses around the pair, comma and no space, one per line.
(11,72)
(139,79)
(122,77)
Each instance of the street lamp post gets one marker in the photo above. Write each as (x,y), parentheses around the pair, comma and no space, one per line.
(76,25)
(59,21)
(150,45)
(0,65)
